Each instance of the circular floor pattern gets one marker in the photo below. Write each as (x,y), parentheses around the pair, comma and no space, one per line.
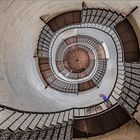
(76,59)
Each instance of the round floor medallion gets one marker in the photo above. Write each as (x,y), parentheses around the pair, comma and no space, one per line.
(76,59)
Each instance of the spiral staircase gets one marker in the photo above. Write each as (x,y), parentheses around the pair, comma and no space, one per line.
(62,40)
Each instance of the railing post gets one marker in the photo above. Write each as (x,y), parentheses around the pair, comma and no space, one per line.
(84,6)
(135,8)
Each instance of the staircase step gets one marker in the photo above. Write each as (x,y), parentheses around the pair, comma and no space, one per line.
(5,114)
(27,122)
(117,90)
(104,106)
(49,120)
(120,86)
(121,72)
(112,100)
(11,120)
(120,81)
(82,112)
(89,11)
(84,12)
(115,95)
(71,114)
(121,67)
(120,76)
(66,116)
(35,121)
(131,102)
(119,19)
(17,123)
(76,112)
(42,121)
(107,29)
(55,119)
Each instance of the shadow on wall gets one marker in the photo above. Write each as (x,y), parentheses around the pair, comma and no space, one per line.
(129,131)
(135,27)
